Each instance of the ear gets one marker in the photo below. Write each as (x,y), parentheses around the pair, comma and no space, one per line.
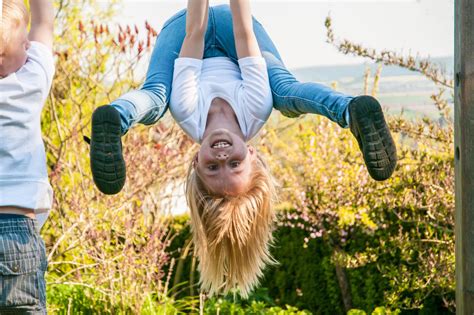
(252,151)
(195,160)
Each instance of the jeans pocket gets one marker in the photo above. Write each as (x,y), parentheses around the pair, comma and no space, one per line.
(21,279)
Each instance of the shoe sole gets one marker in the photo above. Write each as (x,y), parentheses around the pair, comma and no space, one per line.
(374,138)
(107,163)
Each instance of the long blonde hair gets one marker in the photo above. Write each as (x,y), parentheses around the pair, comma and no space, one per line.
(13,15)
(232,234)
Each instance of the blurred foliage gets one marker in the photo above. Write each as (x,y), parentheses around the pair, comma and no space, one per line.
(222,306)
(107,252)
(81,300)
(377,311)
(305,276)
(392,242)
(405,224)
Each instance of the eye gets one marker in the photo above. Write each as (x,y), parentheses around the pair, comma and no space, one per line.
(234,164)
(212,167)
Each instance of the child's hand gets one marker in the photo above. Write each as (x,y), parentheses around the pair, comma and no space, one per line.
(42,22)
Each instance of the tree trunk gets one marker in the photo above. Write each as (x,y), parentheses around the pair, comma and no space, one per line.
(343,285)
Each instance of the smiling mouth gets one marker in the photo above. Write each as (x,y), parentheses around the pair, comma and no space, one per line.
(220,144)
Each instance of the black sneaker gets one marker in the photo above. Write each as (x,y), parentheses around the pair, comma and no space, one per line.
(107,163)
(368,125)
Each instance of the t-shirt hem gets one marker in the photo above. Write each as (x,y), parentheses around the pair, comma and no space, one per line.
(39,191)
(252,60)
(186,61)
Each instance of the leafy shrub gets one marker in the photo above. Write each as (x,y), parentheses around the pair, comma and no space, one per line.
(115,247)
(377,311)
(392,243)
(76,299)
(227,306)
(401,228)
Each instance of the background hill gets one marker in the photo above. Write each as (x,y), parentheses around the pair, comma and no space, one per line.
(399,89)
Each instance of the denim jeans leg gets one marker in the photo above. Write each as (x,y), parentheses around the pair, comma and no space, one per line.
(148,104)
(291,97)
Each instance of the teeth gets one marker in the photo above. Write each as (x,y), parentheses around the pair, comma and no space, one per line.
(221,144)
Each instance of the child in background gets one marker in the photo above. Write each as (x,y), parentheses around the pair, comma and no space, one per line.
(26,74)
(221,74)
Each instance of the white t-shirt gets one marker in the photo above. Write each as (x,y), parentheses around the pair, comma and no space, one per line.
(245,87)
(23,175)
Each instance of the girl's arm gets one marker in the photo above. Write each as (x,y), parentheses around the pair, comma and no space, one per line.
(196,26)
(42,22)
(245,40)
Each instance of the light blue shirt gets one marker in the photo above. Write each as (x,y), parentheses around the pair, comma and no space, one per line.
(23,174)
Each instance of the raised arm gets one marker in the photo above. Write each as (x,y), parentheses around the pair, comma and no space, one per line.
(245,40)
(42,22)
(196,26)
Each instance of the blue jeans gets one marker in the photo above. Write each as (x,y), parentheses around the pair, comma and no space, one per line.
(291,97)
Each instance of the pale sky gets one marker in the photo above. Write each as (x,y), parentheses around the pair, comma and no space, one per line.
(297,27)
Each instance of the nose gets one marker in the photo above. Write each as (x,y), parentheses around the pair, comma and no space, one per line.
(222,156)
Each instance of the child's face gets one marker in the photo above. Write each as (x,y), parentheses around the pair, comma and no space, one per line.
(14,56)
(224,163)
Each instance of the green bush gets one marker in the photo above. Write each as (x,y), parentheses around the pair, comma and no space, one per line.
(377,311)
(230,306)
(305,277)
(393,240)
(77,299)
(82,300)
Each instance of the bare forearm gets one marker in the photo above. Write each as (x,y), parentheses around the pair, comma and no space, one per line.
(196,26)
(42,12)
(245,40)
(42,21)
